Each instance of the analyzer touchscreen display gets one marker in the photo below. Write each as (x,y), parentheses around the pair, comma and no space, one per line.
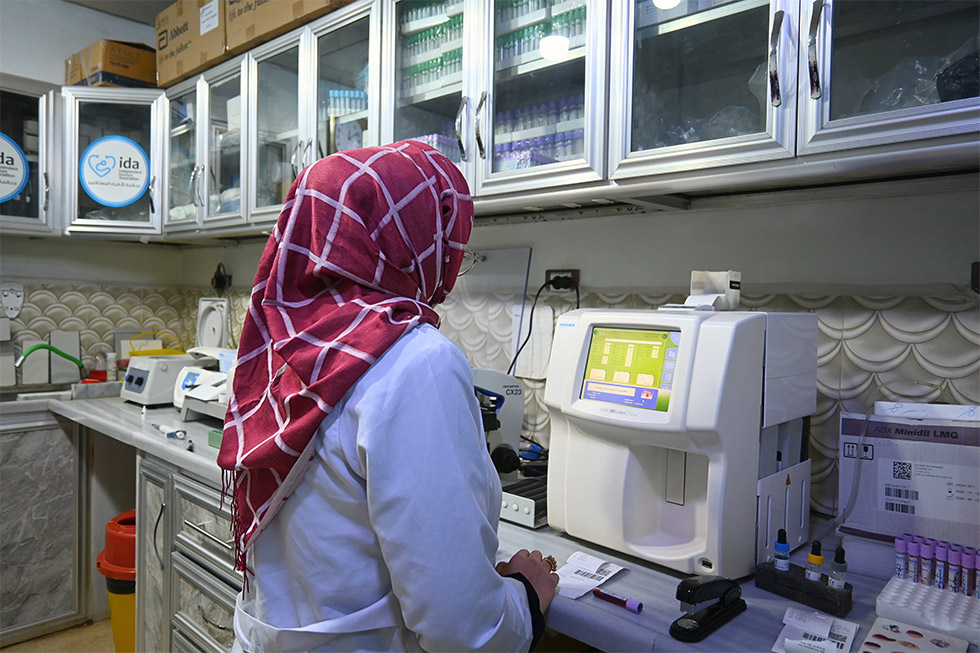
(631,367)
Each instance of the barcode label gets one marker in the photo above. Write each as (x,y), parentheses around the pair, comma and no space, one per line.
(582,572)
(903,508)
(901,493)
(835,638)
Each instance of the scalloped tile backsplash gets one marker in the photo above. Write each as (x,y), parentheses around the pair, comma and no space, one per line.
(902,348)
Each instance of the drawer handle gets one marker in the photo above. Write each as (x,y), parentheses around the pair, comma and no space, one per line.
(200,610)
(156,526)
(208,535)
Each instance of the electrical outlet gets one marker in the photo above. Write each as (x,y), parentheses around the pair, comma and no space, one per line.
(551,274)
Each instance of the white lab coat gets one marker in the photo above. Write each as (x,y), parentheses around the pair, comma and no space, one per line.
(389,542)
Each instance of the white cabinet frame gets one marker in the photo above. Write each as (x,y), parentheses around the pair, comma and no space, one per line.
(157,102)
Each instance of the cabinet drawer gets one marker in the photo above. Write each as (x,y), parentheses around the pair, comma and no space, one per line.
(204,606)
(183,643)
(203,528)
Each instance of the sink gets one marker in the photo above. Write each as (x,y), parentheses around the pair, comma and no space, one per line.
(31,392)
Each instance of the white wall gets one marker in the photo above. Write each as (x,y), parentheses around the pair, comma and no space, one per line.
(36,36)
(895,238)
(899,237)
(904,238)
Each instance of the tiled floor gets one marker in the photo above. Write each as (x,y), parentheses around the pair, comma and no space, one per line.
(96,638)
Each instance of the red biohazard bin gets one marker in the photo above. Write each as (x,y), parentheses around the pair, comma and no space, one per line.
(117,563)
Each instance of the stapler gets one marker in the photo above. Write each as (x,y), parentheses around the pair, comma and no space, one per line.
(695,625)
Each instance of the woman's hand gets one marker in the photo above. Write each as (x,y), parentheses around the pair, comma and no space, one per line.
(537,570)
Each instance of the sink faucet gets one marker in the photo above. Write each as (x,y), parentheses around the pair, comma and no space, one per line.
(31,350)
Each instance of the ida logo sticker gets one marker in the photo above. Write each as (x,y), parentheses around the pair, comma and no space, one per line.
(13,168)
(114,171)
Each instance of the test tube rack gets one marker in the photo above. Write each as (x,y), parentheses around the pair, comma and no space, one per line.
(793,584)
(930,607)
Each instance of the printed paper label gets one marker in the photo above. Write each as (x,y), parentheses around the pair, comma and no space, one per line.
(13,168)
(915,488)
(209,16)
(114,171)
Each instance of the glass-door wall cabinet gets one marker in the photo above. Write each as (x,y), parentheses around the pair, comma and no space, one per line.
(28,149)
(876,72)
(347,50)
(114,152)
(701,83)
(426,100)
(276,143)
(513,91)
(545,103)
(206,157)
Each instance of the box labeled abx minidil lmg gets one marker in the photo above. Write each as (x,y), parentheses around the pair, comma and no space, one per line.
(919,476)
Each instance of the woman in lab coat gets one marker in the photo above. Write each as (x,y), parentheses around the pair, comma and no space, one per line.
(365,505)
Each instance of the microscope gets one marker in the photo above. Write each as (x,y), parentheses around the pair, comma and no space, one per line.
(501,399)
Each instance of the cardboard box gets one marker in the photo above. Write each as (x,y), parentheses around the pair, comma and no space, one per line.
(915,476)
(190,39)
(112,63)
(251,22)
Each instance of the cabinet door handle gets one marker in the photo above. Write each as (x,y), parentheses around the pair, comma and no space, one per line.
(292,159)
(200,184)
(775,97)
(309,148)
(479,137)
(459,129)
(156,526)
(153,181)
(192,187)
(200,610)
(47,190)
(201,531)
(811,48)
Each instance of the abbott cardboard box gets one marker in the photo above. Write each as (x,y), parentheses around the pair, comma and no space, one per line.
(112,63)
(251,22)
(190,38)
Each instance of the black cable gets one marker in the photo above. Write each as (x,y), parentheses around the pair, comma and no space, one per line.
(558,283)
(530,323)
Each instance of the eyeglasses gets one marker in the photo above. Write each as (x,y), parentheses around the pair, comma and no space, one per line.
(470,259)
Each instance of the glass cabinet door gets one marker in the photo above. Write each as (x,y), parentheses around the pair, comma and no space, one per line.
(539,94)
(428,75)
(113,159)
(342,89)
(275,129)
(182,197)
(26,124)
(878,71)
(547,95)
(223,179)
(704,83)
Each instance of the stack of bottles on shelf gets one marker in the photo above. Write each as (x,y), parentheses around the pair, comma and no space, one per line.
(432,41)
(530,147)
(422,9)
(445,144)
(342,102)
(527,38)
(943,565)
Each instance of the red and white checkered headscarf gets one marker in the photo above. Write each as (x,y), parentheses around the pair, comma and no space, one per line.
(367,242)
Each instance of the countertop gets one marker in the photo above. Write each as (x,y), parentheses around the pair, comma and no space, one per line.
(608,627)
(125,421)
(603,625)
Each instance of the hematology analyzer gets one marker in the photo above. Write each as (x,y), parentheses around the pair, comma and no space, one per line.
(679,436)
